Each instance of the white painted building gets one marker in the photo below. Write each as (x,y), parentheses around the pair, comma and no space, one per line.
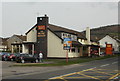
(109,40)
(53,46)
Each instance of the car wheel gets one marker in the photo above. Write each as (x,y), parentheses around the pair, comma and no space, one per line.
(17,61)
(11,59)
(22,61)
(36,61)
(5,59)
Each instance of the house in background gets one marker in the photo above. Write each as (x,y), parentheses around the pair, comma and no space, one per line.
(17,39)
(3,44)
(110,40)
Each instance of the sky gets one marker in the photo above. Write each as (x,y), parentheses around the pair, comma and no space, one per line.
(19,16)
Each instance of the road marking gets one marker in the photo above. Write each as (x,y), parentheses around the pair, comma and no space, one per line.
(67,76)
(101,72)
(90,76)
(63,79)
(113,76)
(104,65)
(71,73)
(114,62)
(63,75)
(75,77)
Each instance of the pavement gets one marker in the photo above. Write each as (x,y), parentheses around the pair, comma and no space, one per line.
(101,70)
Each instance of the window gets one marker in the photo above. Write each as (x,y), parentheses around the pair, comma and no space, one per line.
(73,49)
(69,36)
(78,50)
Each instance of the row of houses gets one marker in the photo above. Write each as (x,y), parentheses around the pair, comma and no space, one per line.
(49,39)
(6,42)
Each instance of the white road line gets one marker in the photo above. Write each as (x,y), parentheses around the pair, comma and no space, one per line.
(114,62)
(104,65)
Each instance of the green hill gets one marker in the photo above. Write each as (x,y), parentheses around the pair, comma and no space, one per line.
(98,33)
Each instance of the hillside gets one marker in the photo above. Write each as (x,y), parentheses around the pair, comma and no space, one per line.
(98,33)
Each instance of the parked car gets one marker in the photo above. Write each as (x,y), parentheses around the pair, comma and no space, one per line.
(102,54)
(94,53)
(12,56)
(1,54)
(5,56)
(22,58)
(116,52)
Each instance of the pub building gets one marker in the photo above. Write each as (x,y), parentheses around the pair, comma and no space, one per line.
(49,39)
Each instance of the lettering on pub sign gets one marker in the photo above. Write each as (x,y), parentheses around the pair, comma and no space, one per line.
(41,31)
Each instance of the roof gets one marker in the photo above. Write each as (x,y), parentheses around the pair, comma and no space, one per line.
(23,38)
(58,28)
(76,43)
(55,29)
(4,41)
(55,34)
(115,38)
(101,37)
(31,29)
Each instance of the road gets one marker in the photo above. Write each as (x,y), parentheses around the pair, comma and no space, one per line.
(100,70)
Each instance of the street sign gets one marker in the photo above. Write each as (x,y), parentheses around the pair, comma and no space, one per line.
(67,43)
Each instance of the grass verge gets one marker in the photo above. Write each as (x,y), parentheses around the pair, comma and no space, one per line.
(62,62)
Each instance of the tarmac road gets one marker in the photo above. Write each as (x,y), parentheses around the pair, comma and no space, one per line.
(99,70)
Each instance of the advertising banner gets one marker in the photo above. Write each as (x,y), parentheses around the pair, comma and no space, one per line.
(67,43)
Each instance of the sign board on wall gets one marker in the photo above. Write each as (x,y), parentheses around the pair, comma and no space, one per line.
(109,49)
(41,27)
(41,31)
(67,43)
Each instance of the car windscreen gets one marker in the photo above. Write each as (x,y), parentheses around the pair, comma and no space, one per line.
(30,55)
(26,55)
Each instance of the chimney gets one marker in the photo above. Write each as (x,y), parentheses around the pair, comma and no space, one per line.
(41,44)
(88,35)
(43,20)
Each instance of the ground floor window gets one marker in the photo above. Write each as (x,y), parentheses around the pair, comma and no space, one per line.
(73,50)
(78,50)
